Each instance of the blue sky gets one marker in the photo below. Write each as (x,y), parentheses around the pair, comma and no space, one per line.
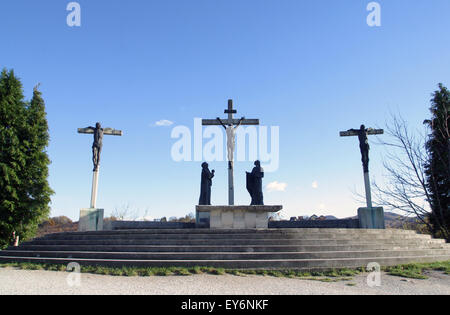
(313,68)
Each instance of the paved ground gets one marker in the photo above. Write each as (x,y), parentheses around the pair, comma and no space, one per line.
(14,281)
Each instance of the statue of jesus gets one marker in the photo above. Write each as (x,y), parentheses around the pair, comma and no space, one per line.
(231,137)
(363,146)
(97,145)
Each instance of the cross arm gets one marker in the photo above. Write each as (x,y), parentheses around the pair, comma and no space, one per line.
(106,131)
(88,130)
(215,122)
(355,132)
(112,132)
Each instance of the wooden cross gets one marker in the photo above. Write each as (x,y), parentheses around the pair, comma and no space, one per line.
(230,124)
(362,134)
(98,133)
(354,132)
(106,131)
(230,120)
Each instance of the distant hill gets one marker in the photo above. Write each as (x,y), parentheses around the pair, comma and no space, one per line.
(56,225)
(397,221)
(393,220)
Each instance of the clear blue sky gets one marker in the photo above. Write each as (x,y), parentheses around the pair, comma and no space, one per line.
(312,68)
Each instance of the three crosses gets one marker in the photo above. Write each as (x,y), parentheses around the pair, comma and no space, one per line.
(230,124)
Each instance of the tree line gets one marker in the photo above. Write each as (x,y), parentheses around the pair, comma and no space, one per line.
(24,136)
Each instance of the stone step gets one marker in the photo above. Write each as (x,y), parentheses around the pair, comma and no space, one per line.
(226,256)
(255,248)
(399,242)
(242,231)
(249,236)
(229,248)
(298,264)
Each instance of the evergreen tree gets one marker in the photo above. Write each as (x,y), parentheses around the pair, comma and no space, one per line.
(24,190)
(437,169)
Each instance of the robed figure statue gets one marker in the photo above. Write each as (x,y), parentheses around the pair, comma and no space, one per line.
(254,184)
(205,186)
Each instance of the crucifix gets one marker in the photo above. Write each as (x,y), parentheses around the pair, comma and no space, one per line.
(98,133)
(364,147)
(230,124)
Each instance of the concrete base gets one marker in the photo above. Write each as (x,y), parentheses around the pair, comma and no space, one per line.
(202,219)
(371,218)
(91,220)
(235,217)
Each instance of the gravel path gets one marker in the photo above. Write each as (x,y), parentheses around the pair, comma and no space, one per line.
(14,281)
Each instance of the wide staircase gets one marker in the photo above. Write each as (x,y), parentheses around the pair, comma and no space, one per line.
(240,249)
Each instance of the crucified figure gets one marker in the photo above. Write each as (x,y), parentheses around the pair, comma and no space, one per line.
(97,145)
(231,139)
(363,146)
(98,133)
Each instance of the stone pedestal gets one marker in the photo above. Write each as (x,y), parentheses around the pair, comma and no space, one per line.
(235,217)
(371,218)
(202,219)
(91,220)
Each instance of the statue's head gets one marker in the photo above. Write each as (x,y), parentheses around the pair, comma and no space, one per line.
(257,163)
(97,125)
(204,165)
(363,127)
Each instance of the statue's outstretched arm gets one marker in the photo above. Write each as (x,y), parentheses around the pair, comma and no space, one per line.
(240,122)
(221,123)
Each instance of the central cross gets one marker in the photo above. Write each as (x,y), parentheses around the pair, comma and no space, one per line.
(230,124)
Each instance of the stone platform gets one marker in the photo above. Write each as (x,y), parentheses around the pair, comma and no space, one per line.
(235,217)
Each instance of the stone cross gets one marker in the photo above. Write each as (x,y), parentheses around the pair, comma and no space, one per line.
(98,133)
(230,124)
(362,134)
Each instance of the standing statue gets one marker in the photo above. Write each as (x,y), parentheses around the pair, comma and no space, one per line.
(363,146)
(254,184)
(231,139)
(205,186)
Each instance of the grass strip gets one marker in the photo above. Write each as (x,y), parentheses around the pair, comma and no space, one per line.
(414,271)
